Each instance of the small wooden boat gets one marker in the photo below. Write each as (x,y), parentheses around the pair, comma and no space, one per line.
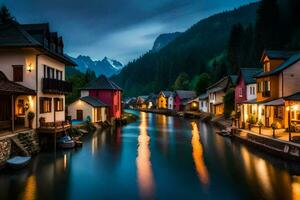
(66,142)
(225,133)
(18,162)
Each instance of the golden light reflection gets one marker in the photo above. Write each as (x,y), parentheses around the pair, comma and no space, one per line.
(65,162)
(144,167)
(94,143)
(296,188)
(198,155)
(30,188)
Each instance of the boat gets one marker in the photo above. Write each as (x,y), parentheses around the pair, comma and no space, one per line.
(78,143)
(18,162)
(66,142)
(225,133)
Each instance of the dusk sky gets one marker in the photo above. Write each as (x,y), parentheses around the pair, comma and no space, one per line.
(119,29)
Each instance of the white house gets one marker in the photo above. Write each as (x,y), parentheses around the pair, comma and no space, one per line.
(203,102)
(88,107)
(32,57)
(171,101)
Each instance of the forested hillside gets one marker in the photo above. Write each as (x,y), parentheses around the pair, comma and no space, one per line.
(214,47)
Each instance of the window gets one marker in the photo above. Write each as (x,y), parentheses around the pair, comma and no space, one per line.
(58,104)
(240,92)
(48,72)
(20,107)
(45,104)
(259,87)
(58,75)
(267,86)
(18,73)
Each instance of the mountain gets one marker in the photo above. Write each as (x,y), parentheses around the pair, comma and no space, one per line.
(106,66)
(163,40)
(189,52)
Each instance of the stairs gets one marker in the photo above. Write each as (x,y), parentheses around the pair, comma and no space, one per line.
(27,142)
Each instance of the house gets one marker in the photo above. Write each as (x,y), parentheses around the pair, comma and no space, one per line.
(165,100)
(107,92)
(151,101)
(217,91)
(141,102)
(245,89)
(88,107)
(32,73)
(181,98)
(277,90)
(192,105)
(203,102)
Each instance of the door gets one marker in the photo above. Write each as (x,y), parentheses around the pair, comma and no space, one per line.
(79,114)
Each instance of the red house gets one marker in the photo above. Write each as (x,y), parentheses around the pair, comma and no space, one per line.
(107,92)
(182,97)
(245,89)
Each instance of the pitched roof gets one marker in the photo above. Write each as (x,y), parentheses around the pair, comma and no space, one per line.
(18,36)
(185,94)
(93,101)
(278,54)
(167,93)
(248,74)
(292,97)
(203,96)
(101,83)
(292,60)
(223,83)
(9,87)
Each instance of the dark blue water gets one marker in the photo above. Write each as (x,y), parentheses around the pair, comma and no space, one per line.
(157,157)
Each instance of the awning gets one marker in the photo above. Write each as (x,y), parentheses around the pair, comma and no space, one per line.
(277,102)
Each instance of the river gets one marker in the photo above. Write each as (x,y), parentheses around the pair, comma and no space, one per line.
(157,157)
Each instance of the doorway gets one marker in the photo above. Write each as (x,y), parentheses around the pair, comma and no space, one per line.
(79,115)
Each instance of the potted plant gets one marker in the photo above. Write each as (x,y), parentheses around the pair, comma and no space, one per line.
(274,126)
(260,124)
(251,121)
(30,117)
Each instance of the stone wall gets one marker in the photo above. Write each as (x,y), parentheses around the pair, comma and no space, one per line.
(5,149)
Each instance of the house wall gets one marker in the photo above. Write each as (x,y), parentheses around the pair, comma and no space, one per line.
(273,62)
(170,103)
(274,87)
(161,102)
(84,93)
(289,80)
(32,79)
(240,96)
(203,105)
(87,109)
(248,89)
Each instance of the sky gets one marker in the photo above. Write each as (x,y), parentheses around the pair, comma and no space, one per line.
(118,29)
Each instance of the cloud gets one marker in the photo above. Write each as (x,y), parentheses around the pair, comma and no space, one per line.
(121,29)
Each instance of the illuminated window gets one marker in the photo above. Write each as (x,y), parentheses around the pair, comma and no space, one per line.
(20,107)
(241,92)
(45,104)
(58,104)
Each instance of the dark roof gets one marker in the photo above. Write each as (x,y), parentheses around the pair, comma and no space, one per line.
(101,83)
(248,74)
(223,83)
(292,60)
(185,94)
(9,87)
(167,93)
(292,97)
(203,96)
(93,101)
(278,54)
(14,35)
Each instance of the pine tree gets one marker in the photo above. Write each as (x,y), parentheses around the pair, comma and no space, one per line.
(5,16)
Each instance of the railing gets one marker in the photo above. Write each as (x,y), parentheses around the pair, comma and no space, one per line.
(266,93)
(55,86)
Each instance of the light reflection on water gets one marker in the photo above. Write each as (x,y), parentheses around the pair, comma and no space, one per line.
(156,157)
(144,167)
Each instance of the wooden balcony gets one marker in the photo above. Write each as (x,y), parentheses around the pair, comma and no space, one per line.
(54,86)
(266,93)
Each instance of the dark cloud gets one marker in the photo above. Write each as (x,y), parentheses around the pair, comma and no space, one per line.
(120,29)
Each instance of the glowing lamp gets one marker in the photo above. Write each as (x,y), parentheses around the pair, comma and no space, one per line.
(29,67)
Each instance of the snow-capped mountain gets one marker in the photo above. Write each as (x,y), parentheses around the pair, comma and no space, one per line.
(106,66)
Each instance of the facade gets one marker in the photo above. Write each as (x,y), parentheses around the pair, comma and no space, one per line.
(141,102)
(32,57)
(151,101)
(163,101)
(276,90)
(107,92)
(216,93)
(181,98)
(203,102)
(88,107)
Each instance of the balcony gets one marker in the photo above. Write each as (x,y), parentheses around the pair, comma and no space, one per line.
(266,93)
(54,86)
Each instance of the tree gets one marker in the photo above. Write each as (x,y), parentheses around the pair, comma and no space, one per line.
(5,16)
(181,82)
(202,82)
(228,101)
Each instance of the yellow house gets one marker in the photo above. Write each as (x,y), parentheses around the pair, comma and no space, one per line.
(163,99)
(278,81)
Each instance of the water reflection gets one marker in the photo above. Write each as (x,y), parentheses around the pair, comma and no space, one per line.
(198,155)
(144,167)
(30,188)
